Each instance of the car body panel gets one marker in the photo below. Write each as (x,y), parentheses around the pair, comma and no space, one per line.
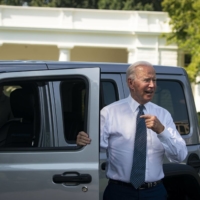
(29,174)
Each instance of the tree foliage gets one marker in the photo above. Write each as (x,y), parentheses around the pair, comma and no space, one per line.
(151,5)
(53,3)
(11,2)
(185,21)
(73,3)
(94,4)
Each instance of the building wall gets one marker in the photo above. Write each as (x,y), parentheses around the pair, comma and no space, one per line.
(28,52)
(73,34)
(92,54)
(41,52)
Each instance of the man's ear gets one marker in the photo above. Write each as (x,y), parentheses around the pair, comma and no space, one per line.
(131,83)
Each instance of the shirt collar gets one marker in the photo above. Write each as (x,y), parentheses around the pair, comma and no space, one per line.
(134,104)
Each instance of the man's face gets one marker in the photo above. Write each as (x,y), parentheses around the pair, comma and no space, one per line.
(144,85)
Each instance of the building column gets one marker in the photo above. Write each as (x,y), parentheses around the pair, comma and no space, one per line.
(131,55)
(64,53)
(196,92)
(157,58)
(181,58)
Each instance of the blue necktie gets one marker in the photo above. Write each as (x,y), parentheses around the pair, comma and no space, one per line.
(139,158)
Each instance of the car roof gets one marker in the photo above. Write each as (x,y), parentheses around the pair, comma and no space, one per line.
(14,66)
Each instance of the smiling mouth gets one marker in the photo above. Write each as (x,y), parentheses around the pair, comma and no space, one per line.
(149,92)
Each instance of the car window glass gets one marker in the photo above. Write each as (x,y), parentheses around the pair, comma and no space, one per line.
(19,115)
(74,104)
(109,92)
(170,95)
(28,117)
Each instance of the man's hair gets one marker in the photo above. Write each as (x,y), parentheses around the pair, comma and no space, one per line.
(130,72)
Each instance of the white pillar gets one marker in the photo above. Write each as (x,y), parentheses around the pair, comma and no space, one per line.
(64,53)
(131,55)
(181,59)
(157,58)
(196,93)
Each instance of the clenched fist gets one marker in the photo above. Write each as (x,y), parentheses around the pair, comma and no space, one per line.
(153,123)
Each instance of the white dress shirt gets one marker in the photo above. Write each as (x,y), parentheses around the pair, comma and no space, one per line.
(118,126)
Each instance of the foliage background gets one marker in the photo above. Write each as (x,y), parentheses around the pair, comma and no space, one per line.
(185,22)
(151,5)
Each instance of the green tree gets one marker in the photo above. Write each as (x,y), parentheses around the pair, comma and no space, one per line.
(185,22)
(73,3)
(112,5)
(11,2)
(150,5)
(54,3)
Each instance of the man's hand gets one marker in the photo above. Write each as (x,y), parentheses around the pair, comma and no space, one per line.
(153,123)
(83,139)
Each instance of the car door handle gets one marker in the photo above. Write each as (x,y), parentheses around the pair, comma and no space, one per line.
(72,177)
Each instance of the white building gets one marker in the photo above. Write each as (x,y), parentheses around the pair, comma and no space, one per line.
(85,35)
(65,34)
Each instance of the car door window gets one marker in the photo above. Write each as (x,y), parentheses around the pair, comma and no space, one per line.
(109,92)
(74,105)
(32,119)
(20,118)
(170,95)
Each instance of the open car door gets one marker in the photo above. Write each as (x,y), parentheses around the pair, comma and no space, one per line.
(39,158)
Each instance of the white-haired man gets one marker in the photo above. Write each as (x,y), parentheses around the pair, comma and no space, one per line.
(136,134)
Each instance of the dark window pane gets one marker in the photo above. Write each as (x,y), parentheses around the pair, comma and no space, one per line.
(19,115)
(169,94)
(73,97)
(109,93)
